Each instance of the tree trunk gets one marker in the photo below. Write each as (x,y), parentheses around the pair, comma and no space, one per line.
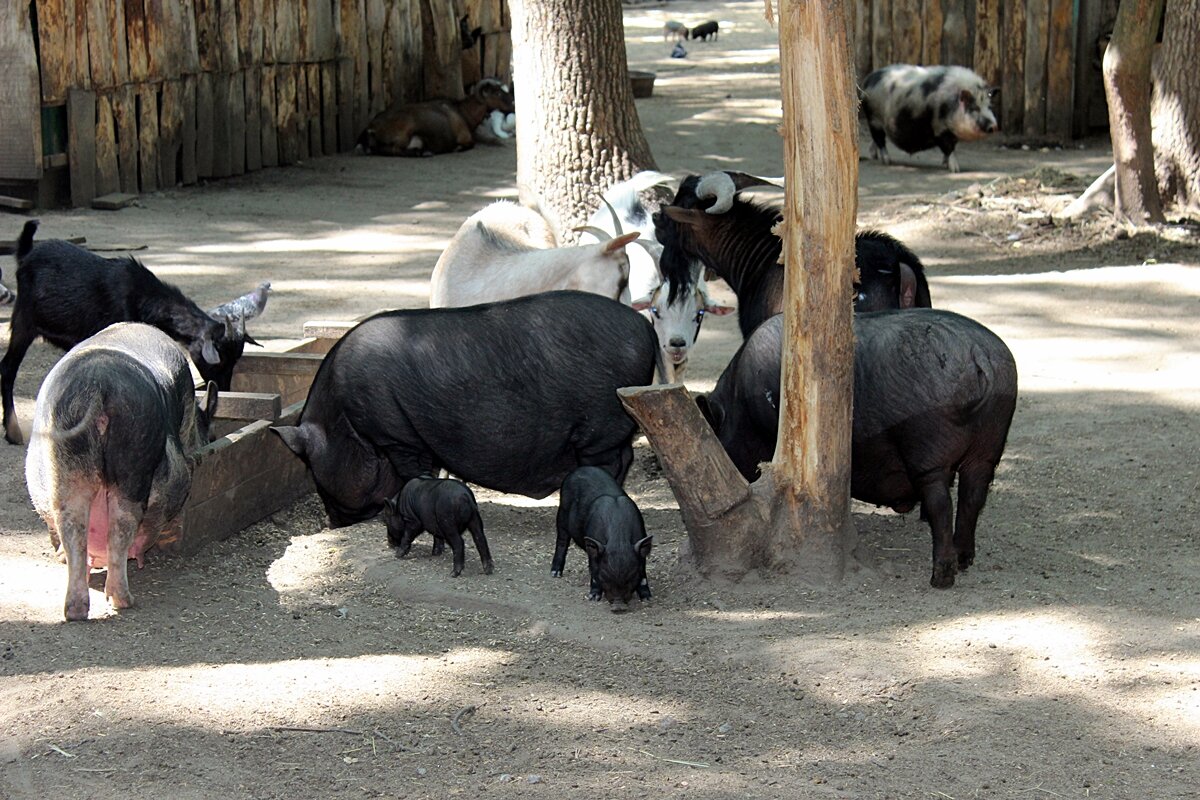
(1127,83)
(809,478)
(578,131)
(796,517)
(1175,111)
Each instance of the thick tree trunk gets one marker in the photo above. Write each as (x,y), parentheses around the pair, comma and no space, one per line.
(1127,83)
(796,517)
(577,128)
(810,475)
(1175,111)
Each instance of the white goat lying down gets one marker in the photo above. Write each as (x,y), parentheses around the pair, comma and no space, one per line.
(676,323)
(507,251)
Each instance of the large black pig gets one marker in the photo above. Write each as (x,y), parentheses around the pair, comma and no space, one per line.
(934,394)
(510,395)
(110,456)
(919,108)
(599,517)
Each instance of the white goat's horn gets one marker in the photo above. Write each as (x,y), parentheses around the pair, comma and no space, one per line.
(652,247)
(616,220)
(599,233)
(724,185)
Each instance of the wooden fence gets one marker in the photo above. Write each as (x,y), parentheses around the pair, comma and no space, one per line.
(1041,53)
(135,95)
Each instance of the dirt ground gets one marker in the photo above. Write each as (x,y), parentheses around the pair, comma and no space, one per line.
(297,661)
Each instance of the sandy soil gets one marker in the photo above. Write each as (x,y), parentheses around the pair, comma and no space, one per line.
(293,660)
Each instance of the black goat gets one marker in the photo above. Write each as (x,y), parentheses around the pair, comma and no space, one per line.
(739,246)
(66,294)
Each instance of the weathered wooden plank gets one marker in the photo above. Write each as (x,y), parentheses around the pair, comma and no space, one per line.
(313,109)
(1037,21)
(881,33)
(222,132)
(268,25)
(956,43)
(135,36)
(56,49)
(353,46)
(107,179)
(20,98)
(208,33)
(182,15)
(238,480)
(1088,84)
(227,25)
(931,42)
(287,374)
(147,98)
(411,38)
(862,38)
(906,31)
(99,50)
(393,54)
(15,203)
(287,32)
(301,119)
(320,34)
(252,79)
(81,145)
(347,117)
(124,103)
(267,115)
(170,132)
(204,125)
(83,66)
(987,40)
(285,113)
(237,123)
(246,405)
(329,108)
(250,32)
(114,202)
(187,132)
(504,57)
(441,48)
(1058,79)
(1012,86)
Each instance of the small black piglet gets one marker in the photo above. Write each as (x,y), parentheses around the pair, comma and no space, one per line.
(444,507)
(595,512)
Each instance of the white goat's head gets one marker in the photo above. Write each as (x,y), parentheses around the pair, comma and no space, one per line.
(677,324)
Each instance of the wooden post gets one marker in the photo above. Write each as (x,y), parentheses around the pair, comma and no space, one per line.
(906,31)
(270,137)
(881,33)
(107,179)
(253,126)
(187,133)
(81,145)
(1012,87)
(987,40)
(931,42)
(125,111)
(1036,40)
(147,98)
(1059,95)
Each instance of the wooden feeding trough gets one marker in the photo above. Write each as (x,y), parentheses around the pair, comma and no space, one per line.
(247,473)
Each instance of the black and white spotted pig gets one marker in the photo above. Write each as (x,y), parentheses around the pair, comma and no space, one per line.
(923,107)
(444,507)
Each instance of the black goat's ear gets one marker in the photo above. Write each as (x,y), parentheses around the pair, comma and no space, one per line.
(684,216)
(248,339)
(208,351)
(211,397)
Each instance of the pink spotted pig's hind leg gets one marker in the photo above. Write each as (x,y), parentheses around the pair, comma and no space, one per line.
(124,518)
(71,522)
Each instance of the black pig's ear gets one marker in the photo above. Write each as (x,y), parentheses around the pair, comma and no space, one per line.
(593,548)
(643,546)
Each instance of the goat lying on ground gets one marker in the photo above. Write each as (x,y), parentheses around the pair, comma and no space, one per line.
(435,126)
(708,222)
(507,251)
(66,294)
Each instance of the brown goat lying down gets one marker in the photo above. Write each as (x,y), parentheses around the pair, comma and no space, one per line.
(435,126)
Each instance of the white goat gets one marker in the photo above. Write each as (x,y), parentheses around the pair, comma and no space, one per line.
(677,323)
(507,251)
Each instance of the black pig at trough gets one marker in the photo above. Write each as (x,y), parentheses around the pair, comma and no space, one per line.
(445,508)
(109,464)
(934,394)
(511,396)
(66,294)
(595,513)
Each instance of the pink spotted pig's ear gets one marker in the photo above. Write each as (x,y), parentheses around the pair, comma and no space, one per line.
(965,96)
